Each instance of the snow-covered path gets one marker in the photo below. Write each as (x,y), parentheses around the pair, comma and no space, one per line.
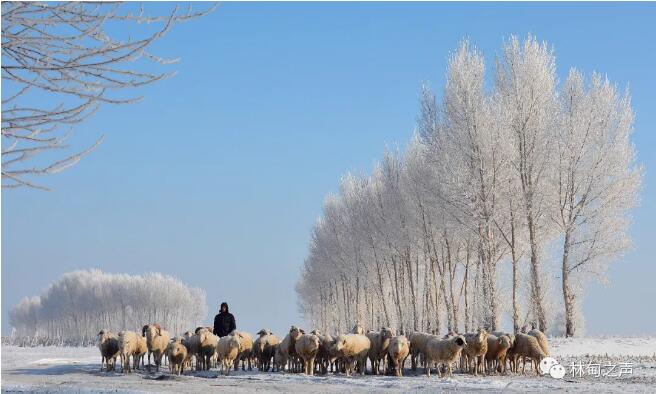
(60,369)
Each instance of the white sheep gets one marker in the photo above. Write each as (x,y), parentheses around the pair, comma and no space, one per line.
(527,347)
(325,357)
(288,348)
(109,349)
(128,342)
(157,341)
(542,340)
(353,348)
(398,350)
(190,341)
(475,351)
(443,351)
(378,351)
(264,349)
(418,341)
(227,350)
(207,345)
(177,354)
(245,349)
(142,349)
(280,358)
(307,347)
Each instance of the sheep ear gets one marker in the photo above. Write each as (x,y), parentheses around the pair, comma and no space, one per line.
(143,330)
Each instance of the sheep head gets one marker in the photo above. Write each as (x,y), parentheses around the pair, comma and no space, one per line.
(459,340)
(386,333)
(295,333)
(340,344)
(504,342)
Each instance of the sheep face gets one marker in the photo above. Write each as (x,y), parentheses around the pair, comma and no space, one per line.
(295,332)
(459,340)
(504,342)
(340,344)
(386,333)
(151,330)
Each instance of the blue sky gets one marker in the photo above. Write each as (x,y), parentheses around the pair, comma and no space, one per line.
(218,175)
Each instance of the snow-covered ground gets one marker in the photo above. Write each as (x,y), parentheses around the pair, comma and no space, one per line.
(66,369)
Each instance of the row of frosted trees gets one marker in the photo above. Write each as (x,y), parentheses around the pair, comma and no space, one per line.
(506,202)
(78,305)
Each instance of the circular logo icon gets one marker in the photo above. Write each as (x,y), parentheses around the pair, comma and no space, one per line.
(546,364)
(557,371)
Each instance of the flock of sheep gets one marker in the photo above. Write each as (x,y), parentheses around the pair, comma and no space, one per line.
(479,352)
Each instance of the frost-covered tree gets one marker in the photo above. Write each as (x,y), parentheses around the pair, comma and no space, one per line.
(60,62)
(77,306)
(596,182)
(488,178)
(526,90)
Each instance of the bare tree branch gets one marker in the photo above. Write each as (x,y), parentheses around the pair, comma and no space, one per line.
(63,52)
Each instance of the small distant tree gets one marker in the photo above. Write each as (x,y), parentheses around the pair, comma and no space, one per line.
(59,65)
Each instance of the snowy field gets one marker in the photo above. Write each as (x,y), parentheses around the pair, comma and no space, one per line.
(62,369)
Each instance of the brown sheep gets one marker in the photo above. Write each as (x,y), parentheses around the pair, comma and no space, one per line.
(497,348)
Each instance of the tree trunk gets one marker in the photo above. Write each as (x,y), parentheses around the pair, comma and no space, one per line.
(568,294)
(536,287)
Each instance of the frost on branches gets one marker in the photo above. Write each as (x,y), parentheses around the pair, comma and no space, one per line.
(80,304)
(507,200)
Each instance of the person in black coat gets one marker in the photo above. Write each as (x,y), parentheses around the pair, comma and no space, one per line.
(224,322)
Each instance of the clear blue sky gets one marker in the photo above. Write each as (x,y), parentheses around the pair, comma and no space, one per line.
(218,175)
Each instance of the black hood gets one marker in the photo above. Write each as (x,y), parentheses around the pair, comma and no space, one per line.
(226,307)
